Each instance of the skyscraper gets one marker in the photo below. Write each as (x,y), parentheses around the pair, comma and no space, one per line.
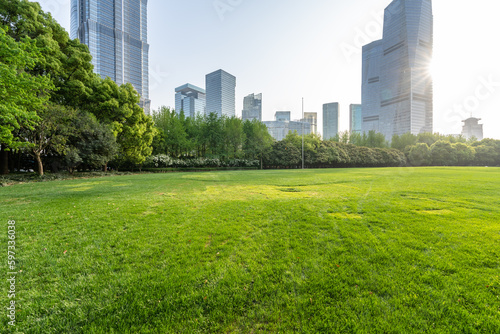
(397,93)
(252,107)
(116,33)
(221,91)
(355,118)
(190,99)
(330,120)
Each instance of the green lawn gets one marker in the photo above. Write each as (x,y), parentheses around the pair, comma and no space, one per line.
(316,251)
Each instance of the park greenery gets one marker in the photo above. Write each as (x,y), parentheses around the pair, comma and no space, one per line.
(56,113)
(183,140)
(390,250)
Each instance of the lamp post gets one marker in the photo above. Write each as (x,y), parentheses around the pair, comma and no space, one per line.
(303,133)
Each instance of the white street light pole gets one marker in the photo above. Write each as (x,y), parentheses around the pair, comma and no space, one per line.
(303,133)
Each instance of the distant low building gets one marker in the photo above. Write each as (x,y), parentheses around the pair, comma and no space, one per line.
(472,128)
(281,126)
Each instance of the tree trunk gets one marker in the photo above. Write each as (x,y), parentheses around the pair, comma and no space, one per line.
(39,163)
(106,167)
(261,164)
(4,161)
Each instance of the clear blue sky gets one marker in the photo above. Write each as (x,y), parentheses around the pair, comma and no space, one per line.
(293,49)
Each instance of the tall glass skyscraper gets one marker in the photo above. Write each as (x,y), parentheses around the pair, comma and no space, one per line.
(221,93)
(397,93)
(330,120)
(117,36)
(252,107)
(191,100)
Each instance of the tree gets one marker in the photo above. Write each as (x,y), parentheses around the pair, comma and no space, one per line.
(490,153)
(52,133)
(344,137)
(443,154)
(213,131)
(375,139)
(93,142)
(283,154)
(66,62)
(403,141)
(427,138)
(331,154)
(465,154)
(172,134)
(22,93)
(356,138)
(485,155)
(420,155)
(258,142)
(235,136)
(117,106)
(196,141)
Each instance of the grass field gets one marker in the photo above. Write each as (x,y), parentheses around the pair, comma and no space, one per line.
(315,251)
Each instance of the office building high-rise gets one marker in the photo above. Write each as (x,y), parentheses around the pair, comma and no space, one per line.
(397,92)
(312,119)
(330,120)
(191,100)
(355,118)
(115,32)
(221,92)
(252,107)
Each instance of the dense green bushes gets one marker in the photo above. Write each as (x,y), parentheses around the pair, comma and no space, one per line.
(164,161)
(329,154)
(443,153)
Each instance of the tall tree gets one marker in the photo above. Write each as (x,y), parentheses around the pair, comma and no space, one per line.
(52,133)
(443,154)
(213,131)
(171,131)
(403,141)
(235,136)
(118,107)
(93,142)
(258,142)
(420,155)
(22,93)
(66,62)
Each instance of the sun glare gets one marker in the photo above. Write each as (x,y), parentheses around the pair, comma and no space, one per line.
(431,68)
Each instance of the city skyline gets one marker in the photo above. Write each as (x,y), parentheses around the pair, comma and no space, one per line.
(315,52)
